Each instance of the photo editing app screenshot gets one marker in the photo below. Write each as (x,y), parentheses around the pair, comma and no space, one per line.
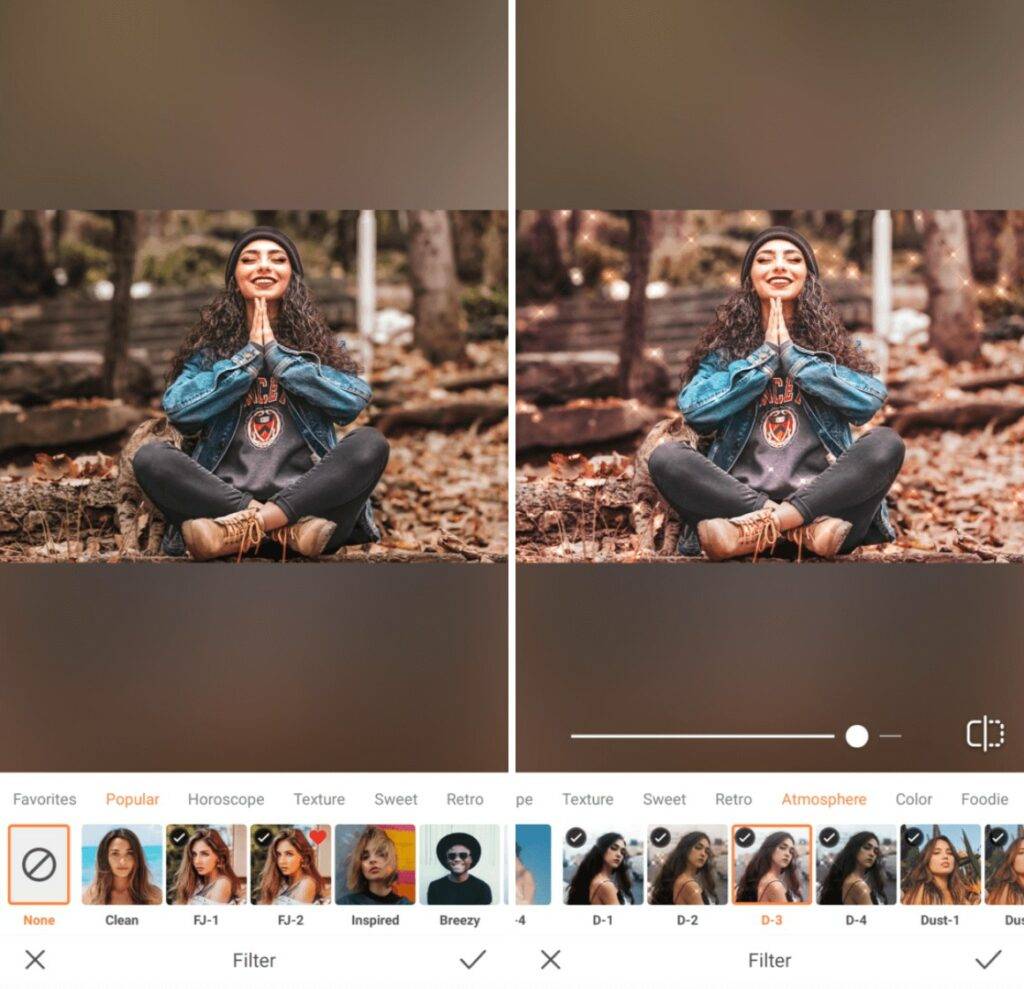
(470,467)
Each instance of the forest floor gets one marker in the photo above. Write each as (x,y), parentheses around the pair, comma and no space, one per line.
(444,495)
(958,498)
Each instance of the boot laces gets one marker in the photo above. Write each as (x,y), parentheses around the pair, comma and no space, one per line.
(248,530)
(762,531)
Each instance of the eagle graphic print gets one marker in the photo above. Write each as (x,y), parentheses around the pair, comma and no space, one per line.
(779,423)
(263,424)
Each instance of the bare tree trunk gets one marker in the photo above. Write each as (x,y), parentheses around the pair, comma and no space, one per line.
(345,238)
(572,230)
(1016,219)
(440,323)
(116,382)
(495,273)
(56,233)
(860,244)
(955,330)
(983,228)
(634,328)
(469,227)
(542,267)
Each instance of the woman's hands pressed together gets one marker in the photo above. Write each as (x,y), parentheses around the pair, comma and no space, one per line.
(777,332)
(260,331)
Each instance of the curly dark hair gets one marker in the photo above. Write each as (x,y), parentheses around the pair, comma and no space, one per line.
(662,887)
(590,866)
(223,329)
(737,330)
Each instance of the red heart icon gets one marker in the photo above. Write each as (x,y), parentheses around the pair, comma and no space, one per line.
(318,836)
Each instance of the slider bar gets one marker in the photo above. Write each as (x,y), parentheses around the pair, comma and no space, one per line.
(689,737)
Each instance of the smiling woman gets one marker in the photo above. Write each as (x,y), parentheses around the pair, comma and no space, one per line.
(777,383)
(260,384)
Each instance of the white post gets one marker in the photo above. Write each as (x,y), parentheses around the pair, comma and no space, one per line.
(881,273)
(366,281)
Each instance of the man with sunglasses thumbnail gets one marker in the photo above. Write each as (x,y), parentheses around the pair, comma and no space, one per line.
(458,853)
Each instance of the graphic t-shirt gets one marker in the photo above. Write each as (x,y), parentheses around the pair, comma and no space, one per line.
(783,452)
(267,452)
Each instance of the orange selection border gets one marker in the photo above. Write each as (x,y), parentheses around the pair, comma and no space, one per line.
(810,865)
(67,869)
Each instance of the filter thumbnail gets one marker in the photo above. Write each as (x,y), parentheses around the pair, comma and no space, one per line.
(856,866)
(375,864)
(770,863)
(940,864)
(533,865)
(1004,864)
(687,865)
(122,866)
(461,864)
(207,864)
(602,868)
(291,864)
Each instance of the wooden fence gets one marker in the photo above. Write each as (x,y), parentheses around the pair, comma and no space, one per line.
(673,322)
(159,322)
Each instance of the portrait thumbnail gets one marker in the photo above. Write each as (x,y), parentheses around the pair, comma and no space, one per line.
(290,864)
(856,866)
(602,868)
(687,865)
(769,384)
(122,865)
(940,865)
(236,384)
(532,879)
(207,864)
(771,864)
(375,864)
(1004,865)
(461,865)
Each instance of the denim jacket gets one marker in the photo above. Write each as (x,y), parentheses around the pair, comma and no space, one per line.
(721,400)
(207,398)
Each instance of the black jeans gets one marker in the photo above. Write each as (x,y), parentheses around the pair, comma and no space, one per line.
(335,488)
(853,488)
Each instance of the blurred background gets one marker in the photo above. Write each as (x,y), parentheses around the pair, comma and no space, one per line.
(610,303)
(94,304)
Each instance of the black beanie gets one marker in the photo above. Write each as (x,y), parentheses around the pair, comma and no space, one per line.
(779,233)
(458,838)
(262,233)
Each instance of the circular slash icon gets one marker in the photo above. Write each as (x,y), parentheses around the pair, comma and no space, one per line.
(575,837)
(829,837)
(660,837)
(744,837)
(39,864)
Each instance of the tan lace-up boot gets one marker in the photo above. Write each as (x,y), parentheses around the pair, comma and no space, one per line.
(823,537)
(308,537)
(753,533)
(238,533)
